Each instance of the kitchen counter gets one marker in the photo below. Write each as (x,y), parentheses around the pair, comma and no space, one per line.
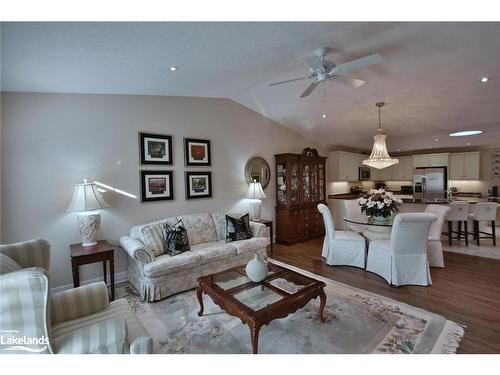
(470,200)
(347,196)
(336,204)
(406,198)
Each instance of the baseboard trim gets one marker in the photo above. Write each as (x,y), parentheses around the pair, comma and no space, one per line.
(120,277)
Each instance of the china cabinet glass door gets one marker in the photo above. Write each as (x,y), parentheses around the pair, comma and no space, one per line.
(281,183)
(294,182)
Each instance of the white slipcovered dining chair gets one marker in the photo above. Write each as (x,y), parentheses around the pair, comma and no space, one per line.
(341,248)
(402,260)
(434,245)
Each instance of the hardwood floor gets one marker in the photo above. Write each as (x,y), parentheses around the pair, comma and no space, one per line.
(467,291)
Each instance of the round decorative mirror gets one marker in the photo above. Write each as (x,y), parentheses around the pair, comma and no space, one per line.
(257,169)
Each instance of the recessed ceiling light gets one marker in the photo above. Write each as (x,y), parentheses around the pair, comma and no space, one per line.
(465,133)
(173,68)
(323,115)
(436,139)
(484,79)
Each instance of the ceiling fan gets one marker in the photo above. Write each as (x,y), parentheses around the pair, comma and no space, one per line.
(323,70)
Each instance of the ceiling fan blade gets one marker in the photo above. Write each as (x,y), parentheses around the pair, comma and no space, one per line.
(357,64)
(289,80)
(314,62)
(349,81)
(309,89)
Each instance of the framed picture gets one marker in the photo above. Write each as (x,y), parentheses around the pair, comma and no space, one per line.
(197,152)
(155,149)
(156,186)
(198,185)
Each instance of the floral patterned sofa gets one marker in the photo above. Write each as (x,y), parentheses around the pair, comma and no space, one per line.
(157,275)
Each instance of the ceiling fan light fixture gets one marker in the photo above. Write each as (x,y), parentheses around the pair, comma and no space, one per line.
(380,158)
(484,79)
(324,115)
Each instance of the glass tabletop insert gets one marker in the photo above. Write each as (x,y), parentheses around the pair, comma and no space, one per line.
(230,279)
(258,297)
(290,282)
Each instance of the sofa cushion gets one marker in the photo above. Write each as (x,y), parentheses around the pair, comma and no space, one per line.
(7,264)
(250,245)
(220,225)
(165,264)
(118,309)
(238,228)
(24,310)
(213,251)
(106,337)
(200,228)
(176,239)
(154,238)
(136,231)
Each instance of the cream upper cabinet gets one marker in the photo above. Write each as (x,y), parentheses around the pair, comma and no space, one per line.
(381,174)
(431,160)
(464,166)
(344,166)
(403,171)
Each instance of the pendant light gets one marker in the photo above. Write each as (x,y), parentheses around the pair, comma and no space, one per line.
(379,157)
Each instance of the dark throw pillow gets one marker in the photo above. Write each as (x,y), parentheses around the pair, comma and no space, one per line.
(176,239)
(238,229)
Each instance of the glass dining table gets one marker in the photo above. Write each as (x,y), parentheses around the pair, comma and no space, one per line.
(369,228)
(365,220)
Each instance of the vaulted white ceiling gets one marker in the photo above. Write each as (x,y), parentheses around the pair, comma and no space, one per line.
(429,78)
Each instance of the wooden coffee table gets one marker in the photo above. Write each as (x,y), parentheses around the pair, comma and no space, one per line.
(281,293)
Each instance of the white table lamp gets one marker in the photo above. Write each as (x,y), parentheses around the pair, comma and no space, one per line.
(255,193)
(86,201)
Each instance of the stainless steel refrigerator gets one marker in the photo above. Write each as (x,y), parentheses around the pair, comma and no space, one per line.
(430,184)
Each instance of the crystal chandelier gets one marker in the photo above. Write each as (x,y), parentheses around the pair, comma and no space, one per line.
(379,157)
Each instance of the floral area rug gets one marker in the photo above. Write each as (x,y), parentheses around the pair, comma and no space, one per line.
(356,322)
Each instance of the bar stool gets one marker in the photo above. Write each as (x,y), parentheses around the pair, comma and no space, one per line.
(459,213)
(484,211)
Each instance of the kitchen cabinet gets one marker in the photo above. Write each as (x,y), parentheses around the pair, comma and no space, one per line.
(403,171)
(431,160)
(464,166)
(381,174)
(344,166)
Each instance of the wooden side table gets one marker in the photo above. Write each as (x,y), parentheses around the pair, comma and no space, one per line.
(269,224)
(102,252)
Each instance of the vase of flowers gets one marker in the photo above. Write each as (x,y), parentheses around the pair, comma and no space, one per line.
(379,205)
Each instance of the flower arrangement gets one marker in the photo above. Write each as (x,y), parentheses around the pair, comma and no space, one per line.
(379,203)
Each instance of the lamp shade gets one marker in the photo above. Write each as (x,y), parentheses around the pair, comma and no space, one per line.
(86,198)
(255,191)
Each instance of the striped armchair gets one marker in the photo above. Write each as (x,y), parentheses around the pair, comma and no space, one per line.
(80,320)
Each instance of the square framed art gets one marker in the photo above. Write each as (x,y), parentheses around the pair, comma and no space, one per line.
(155,149)
(156,186)
(197,152)
(198,185)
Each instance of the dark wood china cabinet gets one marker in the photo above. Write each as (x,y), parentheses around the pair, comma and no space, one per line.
(300,187)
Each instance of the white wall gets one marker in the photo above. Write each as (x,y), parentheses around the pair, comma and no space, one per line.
(52,141)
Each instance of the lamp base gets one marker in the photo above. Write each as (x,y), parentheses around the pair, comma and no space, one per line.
(89,244)
(89,224)
(255,209)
